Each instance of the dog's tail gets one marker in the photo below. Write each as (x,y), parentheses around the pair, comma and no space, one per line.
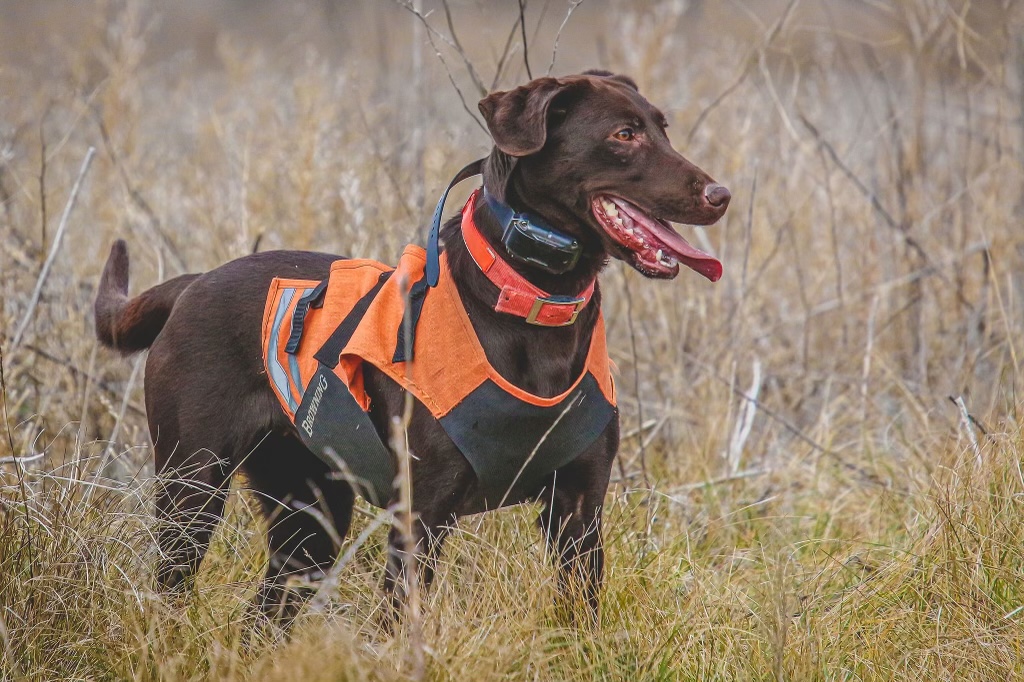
(129,325)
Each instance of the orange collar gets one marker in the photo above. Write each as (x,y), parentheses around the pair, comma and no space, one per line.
(518,296)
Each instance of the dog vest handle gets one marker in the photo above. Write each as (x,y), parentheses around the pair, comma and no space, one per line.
(313,299)
(433,269)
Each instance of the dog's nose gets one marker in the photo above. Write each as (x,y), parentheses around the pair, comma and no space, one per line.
(717,195)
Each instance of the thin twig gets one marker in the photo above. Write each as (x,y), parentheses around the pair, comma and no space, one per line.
(57,238)
(21,471)
(116,431)
(554,50)
(12,662)
(974,420)
(505,53)
(330,583)
(43,218)
(522,27)
(76,457)
(3,400)
(750,233)
(739,475)
(747,62)
(636,378)
(22,460)
(84,375)
(536,448)
(744,421)
(462,53)
(868,194)
(405,521)
(649,424)
(869,345)
(431,31)
(136,196)
(774,416)
(451,79)
(965,422)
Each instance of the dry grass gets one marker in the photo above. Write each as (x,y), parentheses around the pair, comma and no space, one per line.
(846,528)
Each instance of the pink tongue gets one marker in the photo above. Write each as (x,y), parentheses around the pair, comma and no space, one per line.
(691,257)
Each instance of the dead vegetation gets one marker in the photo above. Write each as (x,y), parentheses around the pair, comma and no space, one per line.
(820,507)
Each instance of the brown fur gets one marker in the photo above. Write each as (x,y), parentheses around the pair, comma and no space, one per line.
(211,409)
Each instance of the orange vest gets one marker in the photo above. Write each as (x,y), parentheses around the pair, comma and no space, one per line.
(317,335)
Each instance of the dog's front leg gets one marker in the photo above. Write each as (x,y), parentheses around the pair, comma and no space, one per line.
(398,576)
(571,522)
(440,484)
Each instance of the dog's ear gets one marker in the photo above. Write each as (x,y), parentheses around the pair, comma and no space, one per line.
(618,77)
(518,119)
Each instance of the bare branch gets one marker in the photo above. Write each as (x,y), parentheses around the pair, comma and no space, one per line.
(21,460)
(872,198)
(522,27)
(540,21)
(451,79)
(450,42)
(554,50)
(505,54)
(642,449)
(135,195)
(965,422)
(458,48)
(43,219)
(746,62)
(431,32)
(3,401)
(57,238)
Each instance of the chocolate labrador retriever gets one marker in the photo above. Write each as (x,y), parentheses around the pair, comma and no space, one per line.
(581,170)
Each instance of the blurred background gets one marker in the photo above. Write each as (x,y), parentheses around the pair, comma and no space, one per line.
(873,251)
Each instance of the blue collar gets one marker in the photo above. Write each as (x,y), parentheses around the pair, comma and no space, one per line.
(433,268)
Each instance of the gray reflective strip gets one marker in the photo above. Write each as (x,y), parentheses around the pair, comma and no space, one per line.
(274,368)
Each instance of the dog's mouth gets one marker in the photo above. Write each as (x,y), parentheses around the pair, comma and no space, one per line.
(653,247)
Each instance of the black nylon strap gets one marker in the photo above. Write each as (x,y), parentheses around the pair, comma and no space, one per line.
(313,299)
(330,352)
(433,269)
(411,317)
(335,428)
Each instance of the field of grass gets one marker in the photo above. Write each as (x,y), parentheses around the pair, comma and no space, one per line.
(821,472)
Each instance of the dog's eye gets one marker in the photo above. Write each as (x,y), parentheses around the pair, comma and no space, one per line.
(625,135)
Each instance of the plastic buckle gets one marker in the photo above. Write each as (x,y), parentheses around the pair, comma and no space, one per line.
(577,303)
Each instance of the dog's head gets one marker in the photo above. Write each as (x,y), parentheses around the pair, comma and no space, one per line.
(592,156)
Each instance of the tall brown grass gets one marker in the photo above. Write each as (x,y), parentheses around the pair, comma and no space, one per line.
(801,497)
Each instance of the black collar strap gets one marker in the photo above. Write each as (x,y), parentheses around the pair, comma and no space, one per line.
(433,268)
(528,240)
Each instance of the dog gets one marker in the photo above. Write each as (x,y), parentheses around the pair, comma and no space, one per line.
(581,171)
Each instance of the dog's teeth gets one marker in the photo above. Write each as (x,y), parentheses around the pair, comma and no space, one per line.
(618,221)
(660,255)
(609,208)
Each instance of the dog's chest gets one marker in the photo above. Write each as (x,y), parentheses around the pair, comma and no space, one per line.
(317,336)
